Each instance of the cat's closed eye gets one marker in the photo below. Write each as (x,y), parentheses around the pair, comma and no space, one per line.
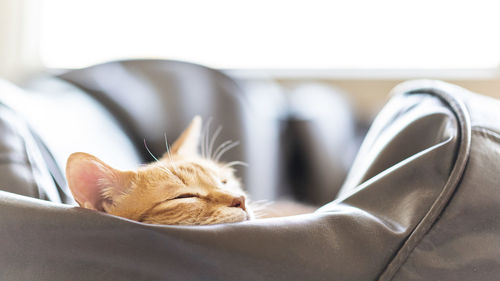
(186,195)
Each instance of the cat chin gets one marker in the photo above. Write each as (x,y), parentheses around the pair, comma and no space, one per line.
(246,215)
(238,217)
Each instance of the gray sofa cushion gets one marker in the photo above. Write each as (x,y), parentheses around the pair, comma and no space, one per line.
(23,169)
(18,167)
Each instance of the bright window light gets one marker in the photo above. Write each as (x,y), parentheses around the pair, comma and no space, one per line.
(230,34)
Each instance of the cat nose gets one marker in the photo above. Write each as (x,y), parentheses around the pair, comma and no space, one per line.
(238,202)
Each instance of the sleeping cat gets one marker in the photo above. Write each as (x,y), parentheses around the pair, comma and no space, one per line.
(180,188)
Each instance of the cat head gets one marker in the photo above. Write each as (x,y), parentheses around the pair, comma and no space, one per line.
(181,188)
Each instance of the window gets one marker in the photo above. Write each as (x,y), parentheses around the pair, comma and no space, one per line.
(350,34)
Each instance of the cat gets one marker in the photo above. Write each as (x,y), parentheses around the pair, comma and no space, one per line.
(181,188)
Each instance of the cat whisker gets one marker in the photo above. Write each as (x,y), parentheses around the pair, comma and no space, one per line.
(154,157)
(204,138)
(150,153)
(167,147)
(259,205)
(221,146)
(167,170)
(235,163)
(224,150)
(259,214)
(260,208)
(212,141)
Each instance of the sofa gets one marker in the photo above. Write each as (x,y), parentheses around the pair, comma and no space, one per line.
(419,202)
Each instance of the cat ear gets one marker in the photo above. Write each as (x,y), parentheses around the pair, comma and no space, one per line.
(94,184)
(187,143)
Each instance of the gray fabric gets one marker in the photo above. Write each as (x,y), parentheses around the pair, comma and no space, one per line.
(68,120)
(421,202)
(22,168)
(464,244)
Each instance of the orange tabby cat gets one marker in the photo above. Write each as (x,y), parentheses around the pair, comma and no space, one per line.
(181,188)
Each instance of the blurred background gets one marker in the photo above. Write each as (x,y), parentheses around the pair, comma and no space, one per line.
(312,75)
